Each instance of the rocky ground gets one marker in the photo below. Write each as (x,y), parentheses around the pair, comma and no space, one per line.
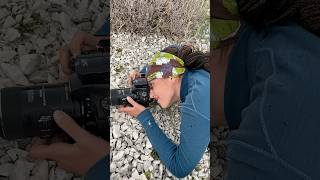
(31,33)
(132,154)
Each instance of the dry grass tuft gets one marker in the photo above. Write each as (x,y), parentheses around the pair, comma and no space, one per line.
(175,19)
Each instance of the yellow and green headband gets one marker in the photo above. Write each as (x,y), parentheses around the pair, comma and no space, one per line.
(164,65)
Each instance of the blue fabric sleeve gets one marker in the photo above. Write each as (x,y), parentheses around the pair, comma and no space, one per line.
(100,171)
(180,159)
(105,29)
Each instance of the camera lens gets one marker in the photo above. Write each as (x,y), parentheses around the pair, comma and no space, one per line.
(119,96)
(27,111)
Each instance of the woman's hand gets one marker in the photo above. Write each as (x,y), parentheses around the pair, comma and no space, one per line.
(133,75)
(77,158)
(80,42)
(135,110)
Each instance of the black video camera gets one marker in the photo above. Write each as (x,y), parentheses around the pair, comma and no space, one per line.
(28,111)
(140,92)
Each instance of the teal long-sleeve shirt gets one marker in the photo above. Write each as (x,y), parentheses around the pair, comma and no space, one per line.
(182,158)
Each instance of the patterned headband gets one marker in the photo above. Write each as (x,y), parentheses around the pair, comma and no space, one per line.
(164,65)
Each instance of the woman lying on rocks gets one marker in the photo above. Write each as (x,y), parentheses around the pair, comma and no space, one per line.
(177,73)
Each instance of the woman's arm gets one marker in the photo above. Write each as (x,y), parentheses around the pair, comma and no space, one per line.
(180,159)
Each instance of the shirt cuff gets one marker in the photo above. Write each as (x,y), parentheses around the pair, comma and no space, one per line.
(144,116)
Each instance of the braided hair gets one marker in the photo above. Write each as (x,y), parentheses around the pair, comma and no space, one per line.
(266,12)
(192,59)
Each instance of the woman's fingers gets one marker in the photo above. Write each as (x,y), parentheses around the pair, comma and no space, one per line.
(76,43)
(131,101)
(54,151)
(65,58)
(135,110)
(133,75)
(66,123)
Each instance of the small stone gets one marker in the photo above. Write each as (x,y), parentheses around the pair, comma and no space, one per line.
(15,153)
(40,170)
(144,158)
(118,156)
(142,177)
(146,165)
(60,174)
(116,131)
(29,63)
(39,77)
(22,50)
(42,43)
(135,174)
(148,144)
(135,135)
(64,20)
(5,159)
(3,12)
(125,169)
(124,127)
(113,167)
(9,22)
(6,56)
(11,35)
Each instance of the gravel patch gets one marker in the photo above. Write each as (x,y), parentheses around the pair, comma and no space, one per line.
(218,148)
(132,156)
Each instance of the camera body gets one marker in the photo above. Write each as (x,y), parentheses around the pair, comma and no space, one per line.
(28,111)
(139,92)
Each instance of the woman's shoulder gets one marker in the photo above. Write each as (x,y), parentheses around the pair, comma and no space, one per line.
(199,80)
(198,75)
(198,97)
